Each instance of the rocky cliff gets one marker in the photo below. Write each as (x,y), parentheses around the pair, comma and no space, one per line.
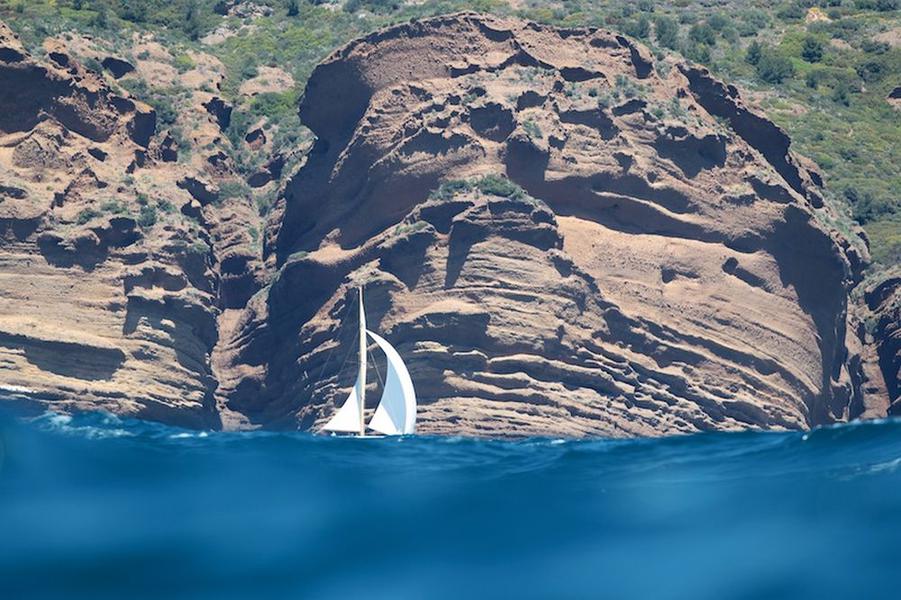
(882,330)
(562,234)
(113,276)
(663,270)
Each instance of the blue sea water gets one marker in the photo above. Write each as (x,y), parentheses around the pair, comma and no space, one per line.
(98,507)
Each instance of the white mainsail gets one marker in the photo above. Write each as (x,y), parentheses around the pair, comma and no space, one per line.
(396,413)
(350,416)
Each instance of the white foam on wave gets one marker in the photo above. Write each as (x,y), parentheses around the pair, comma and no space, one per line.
(60,423)
(188,434)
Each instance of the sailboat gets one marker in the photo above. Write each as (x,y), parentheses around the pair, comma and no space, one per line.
(396,412)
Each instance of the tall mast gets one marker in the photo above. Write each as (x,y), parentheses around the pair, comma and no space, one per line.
(361,377)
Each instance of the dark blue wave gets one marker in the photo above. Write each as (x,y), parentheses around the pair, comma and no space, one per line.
(99,507)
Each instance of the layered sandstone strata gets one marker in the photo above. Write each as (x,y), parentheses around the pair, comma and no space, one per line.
(663,272)
(562,234)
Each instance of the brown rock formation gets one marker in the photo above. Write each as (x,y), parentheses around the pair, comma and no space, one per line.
(656,265)
(109,296)
(883,299)
(664,273)
(894,97)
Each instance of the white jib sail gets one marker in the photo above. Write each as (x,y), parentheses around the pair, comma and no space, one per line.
(348,416)
(396,413)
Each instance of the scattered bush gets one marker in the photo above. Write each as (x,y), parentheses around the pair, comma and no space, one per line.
(702,33)
(752,21)
(667,32)
(627,87)
(752,55)
(233,189)
(451,188)
(814,78)
(639,28)
(91,63)
(792,12)
(114,207)
(718,21)
(532,128)
(663,68)
(812,50)
(101,18)
(841,93)
(874,47)
(879,5)
(495,185)
(774,68)
(198,247)
(275,106)
(872,71)
(86,215)
(498,185)
(147,217)
(866,208)
(132,10)
(183,63)
(403,228)
(191,24)
(699,53)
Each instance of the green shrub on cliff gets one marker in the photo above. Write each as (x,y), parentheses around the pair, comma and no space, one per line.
(753,53)
(532,128)
(114,207)
(86,215)
(494,185)
(868,208)
(639,28)
(147,217)
(451,188)
(498,185)
(666,31)
(233,189)
(774,68)
(812,51)
(702,33)
(404,228)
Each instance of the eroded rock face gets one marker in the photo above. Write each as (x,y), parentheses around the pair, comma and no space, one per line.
(883,299)
(560,235)
(663,273)
(110,297)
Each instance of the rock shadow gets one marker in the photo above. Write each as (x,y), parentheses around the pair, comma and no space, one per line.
(67,359)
